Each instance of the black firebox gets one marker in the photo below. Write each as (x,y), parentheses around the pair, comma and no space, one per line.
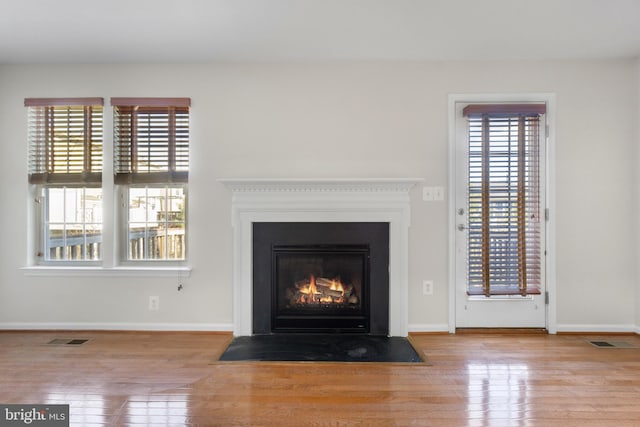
(321,277)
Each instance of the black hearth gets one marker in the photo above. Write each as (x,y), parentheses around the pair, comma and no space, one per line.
(321,277)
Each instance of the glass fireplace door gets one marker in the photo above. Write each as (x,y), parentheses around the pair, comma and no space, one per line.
(321,287)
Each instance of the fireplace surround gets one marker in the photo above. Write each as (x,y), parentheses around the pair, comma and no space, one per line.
(382,200)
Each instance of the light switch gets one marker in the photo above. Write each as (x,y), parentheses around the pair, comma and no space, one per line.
(427,194)
(438,193)
(430,194)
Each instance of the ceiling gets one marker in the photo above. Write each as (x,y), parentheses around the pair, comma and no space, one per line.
(176,31)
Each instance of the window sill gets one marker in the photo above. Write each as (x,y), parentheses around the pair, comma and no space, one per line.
(90,271)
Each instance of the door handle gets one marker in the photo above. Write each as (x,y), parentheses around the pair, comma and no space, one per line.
(462,227)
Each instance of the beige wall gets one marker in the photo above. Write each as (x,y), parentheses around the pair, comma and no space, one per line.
(338,120)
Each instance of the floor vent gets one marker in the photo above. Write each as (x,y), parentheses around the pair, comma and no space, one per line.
(613,344)
(67,341)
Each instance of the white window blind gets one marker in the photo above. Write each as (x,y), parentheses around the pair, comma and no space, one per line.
(65,140)
(504,212)
(151,140)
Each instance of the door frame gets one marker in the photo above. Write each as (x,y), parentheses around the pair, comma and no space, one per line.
(550,180)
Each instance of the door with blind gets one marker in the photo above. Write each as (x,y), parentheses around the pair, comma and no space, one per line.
(500,215)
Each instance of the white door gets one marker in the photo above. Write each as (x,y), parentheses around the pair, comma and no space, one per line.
(500,215)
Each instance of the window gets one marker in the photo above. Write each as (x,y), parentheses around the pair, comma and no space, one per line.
(151,166)
(65,166)
(504,209)
(156,223)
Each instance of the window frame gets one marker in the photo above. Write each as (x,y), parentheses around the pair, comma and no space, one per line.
(490,128)
(128,175)
(123,227)
(46,116)
(110,264)
(45,223)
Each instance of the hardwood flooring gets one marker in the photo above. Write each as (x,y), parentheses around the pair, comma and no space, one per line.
(173,378)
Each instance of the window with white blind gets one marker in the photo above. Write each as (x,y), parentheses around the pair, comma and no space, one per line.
(151,167)
(504,212)
(65,165)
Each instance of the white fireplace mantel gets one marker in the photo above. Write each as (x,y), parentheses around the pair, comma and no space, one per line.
(321,200)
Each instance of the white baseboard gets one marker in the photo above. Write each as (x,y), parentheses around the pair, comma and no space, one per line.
(429,327)
(228,327)
(208,327)
(597,328)
(443,327)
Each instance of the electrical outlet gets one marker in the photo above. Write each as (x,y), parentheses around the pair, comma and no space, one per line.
(427,287)
(154,303)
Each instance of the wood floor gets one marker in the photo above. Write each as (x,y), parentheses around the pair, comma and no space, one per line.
(120,378)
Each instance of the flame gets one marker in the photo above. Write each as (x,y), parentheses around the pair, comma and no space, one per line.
(336,285)
(310,294)
(313,290)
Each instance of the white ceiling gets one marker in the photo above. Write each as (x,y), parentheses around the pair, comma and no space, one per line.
(172,31)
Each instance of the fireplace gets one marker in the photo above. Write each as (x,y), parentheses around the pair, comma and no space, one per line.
(264,200)
(321,277)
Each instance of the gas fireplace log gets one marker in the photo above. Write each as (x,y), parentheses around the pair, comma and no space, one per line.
(322,292)
(330,292)
(324,282)
(348,291)
(299,297)
(320,282)
(302,284)
(327,283)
